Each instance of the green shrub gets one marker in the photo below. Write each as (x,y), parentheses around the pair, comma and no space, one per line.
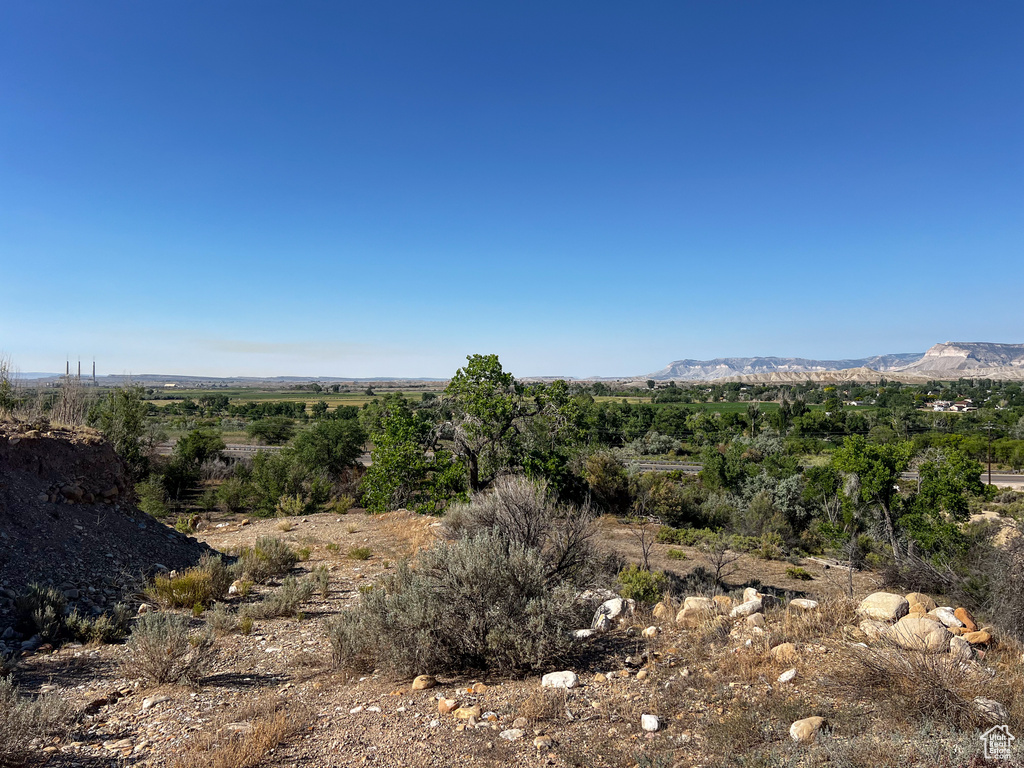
(636,583)
(476,603)
(161,650)
(322,578)
(283,601)
(220,619)
(360,553)
(152,498)
(675,554)
(304,554)
(23,719)
(201,584)
(292,505)
(40,611)
(233,495)
(770,546)
(796,572)
(105,628)
(341,505)
(245,625)
(270,557)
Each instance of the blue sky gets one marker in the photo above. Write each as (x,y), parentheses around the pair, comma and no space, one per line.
(360,189)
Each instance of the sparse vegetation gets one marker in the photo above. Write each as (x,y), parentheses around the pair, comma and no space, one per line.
(162,650)
(24,719)
(268,559)
(475,603)
(283,601)
(796,572)
(360,553)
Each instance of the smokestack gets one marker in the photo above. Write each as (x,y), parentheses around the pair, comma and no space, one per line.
(67,368)
(94,373)
(79,370)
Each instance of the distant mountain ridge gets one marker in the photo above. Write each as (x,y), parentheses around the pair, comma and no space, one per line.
(943,360)
(725,367)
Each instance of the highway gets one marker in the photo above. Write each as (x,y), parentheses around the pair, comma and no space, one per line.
(1000,479)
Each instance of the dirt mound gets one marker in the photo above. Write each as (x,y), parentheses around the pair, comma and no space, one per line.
(67,519)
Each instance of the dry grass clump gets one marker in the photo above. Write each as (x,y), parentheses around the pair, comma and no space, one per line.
(200,585)
(409,532)
(825,622)
(242,738)
(913,686)
(23,719)
(544,704)
(162,650)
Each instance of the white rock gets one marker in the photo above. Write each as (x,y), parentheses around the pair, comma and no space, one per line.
(883,606)
(512,734)
(650,632)
(746,609)
(749,594)
(788,675)
(565,679)
(802,604)
(583,634)
(152,701)
(611,610)
(649,723)
(946,616)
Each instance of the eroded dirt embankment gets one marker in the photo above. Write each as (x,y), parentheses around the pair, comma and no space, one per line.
(68,520)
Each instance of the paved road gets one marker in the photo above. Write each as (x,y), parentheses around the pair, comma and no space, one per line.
(234,450)
(1002,479)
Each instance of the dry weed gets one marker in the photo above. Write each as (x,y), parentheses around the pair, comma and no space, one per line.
(243,737)
(409,532)
(544,704)
(912,686)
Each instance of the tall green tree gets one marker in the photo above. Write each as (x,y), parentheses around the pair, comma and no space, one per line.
(121,417)
(486,402)
(878,469)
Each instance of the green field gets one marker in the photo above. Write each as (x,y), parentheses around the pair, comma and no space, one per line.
(248,395)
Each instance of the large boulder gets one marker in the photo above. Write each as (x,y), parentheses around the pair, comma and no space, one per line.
(874,630)
(920,634)
(883,606)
